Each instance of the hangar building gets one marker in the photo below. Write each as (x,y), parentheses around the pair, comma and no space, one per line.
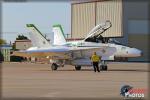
(129,18)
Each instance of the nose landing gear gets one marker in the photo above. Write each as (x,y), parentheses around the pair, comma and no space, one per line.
(103,66)
(77,67)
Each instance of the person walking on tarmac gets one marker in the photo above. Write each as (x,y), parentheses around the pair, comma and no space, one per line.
(95,61)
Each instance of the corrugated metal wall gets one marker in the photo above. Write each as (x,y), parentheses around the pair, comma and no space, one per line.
(140,41)
(83,19)
(110,10)
(86,15)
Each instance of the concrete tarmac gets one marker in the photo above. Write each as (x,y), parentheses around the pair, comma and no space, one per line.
(30,80)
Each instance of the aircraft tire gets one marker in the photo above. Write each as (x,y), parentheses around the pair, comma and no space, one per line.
(103,67)
(78,67)
(54,66)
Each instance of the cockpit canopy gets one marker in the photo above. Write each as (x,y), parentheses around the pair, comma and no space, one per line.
(101,39)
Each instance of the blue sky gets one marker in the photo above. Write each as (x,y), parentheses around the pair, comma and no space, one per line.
(44,15)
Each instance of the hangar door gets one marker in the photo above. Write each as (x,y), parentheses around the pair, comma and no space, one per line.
(138,37)
(83,19)
(110,10)
(87,15)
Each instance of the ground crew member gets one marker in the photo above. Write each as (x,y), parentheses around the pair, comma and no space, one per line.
(95,61)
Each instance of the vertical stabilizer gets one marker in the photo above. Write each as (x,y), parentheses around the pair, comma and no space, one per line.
(37,38)
(59,37)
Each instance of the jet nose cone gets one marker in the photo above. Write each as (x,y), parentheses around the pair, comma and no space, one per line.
(136,52)
(141,53)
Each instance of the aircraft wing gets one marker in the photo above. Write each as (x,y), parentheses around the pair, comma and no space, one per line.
(60,53)
(65,52)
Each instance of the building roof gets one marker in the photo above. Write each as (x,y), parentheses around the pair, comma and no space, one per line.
(84,1)
(22,40)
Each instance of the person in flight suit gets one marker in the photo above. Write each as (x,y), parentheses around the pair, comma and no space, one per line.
(95,61)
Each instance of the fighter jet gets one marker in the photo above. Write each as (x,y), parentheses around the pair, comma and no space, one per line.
(76,53)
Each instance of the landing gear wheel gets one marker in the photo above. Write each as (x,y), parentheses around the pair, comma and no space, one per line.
(103,67)
(77,67)
(54,66)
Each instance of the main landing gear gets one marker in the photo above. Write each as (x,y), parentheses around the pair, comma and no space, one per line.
(54,66)
(56,63)
(103,67)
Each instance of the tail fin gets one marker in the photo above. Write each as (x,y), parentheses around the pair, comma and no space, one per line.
(59,37)
(37,38)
